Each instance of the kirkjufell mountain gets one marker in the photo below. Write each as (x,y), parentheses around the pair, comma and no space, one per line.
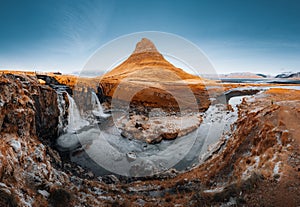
(154,81)
(147,58)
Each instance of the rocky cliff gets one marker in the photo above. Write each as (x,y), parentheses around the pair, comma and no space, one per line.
(28,115)
(28,107)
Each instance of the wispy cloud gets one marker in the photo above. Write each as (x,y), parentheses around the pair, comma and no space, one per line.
(83,25)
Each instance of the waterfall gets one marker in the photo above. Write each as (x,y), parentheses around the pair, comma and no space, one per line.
(75,122)
(62,123)
(99,110)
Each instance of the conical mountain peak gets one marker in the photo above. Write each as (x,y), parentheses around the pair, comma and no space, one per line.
(146,58)
(147,78)
(145,45)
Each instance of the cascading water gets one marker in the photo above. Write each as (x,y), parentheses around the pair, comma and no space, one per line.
(99,110)
(62,122)
(68,140)
(75,122)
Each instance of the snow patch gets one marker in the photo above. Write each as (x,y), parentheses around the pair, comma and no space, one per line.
(231,202)
(215,190)
(246,174)
(276,168)
(44,193)
(16,145)
(2,185)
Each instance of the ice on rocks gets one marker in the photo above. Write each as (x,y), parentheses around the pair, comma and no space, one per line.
(276,168)
(16,145)
(44,193)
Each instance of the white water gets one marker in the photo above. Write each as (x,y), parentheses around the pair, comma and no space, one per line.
(75,122)
(61,106)
(99,112)
(237,100)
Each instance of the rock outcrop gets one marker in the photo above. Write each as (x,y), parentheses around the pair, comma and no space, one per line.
(28,115)
(154,129)
(28,107)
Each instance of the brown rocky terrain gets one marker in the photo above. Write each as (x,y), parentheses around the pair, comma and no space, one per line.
(28,99)
(258,165)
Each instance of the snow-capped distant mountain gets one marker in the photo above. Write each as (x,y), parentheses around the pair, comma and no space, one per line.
(288,75)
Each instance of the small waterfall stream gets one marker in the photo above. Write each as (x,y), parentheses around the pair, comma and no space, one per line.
(75,122)
(99,110)
(68,130)
(62,121)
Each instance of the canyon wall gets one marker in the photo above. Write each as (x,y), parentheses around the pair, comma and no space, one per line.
(28,107)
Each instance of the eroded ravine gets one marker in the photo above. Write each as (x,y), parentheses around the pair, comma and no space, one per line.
(98,145)
(257,165)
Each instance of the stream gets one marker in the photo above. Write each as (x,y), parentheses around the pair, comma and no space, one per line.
(100,148)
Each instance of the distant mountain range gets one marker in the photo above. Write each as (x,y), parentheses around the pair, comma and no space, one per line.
(240,75)
(249,75)
(288,75)
(243,75)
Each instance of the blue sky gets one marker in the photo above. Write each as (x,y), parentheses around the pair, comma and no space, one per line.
(256,36)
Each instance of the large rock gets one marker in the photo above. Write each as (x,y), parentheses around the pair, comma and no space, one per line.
(154,129)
